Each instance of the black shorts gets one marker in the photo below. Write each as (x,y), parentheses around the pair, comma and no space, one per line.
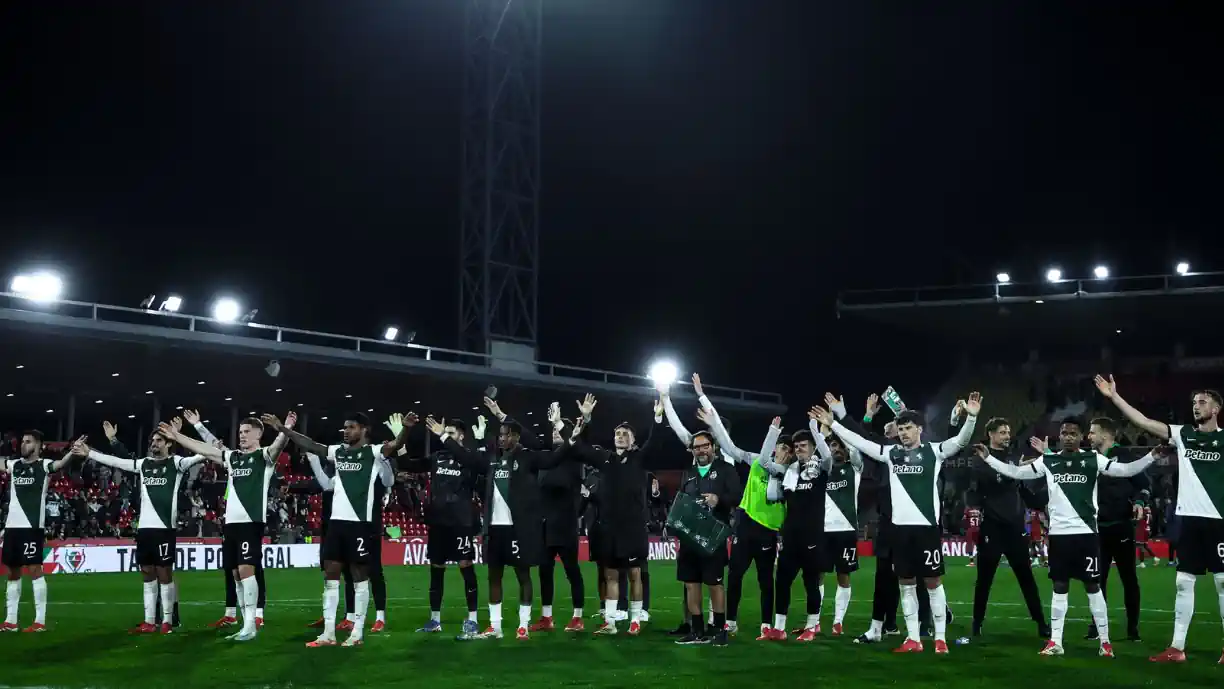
(1200,545)
(450,544)
(352,543)
(917,552)
(1075,556)
(753,535)
(503,549)
(623,550)
(242,544)
(22,548)
(695,567)
(805,554)
(840,551)
(155,547)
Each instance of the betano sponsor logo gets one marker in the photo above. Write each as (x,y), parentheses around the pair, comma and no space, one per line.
(23,481)
(155,481)
(443,471)
(907,468)
(239,473)
(836,485)
(1070,478)
(349,466)
(1202,456)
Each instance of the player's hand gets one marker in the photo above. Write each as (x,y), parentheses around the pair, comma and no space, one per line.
(291,419)
(167,431)
(703,416)
(410,419)
(587,405)
(435,426)
(1164,450)
(658,408)
(110,429)
(177,423)
(1041,445)
(191,416)
(981,451)
(958,410)
(974,405)
(79,448)
(579,424)
(1138,512)
(777,423)
(835,404)
(1108,388)
(890,430)
(478,431)
(395,423)
(697,385)
(873,404)
(821,416)
(494,408)
(663,388)
(271,421)
(554,413)
(710,499)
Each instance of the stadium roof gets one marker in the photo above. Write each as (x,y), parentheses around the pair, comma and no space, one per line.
(1088,309)
(117,363)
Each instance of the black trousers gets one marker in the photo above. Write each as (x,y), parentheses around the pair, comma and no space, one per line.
(1118,547)
(569,561)
(753,543)
(995,541)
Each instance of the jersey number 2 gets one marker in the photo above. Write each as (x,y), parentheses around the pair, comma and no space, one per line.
(361,546)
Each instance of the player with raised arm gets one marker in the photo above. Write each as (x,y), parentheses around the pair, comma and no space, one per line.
(230,577)
(355,504)
(29,477)
(160,474)
(841,523)
(1072,477)
(250,469)
(916,510)
(454,479)
(1200,501)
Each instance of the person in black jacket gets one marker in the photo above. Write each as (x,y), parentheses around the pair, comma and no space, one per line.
(1119,502)
(560,490)
(624,542)
(454,478)
(718,487)
(1002,501)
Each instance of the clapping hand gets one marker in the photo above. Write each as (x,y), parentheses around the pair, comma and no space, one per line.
(435,426)
(110,429)
(1041,445)
(974,405)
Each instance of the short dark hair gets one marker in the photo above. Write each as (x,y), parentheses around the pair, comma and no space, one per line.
(1106,424)
(1213,394)
(358,418)
(253,423)
(513,427)
(35,434)
(1077,421)
(455,422)
(703,434)
(996,423)
(910,416)
(783,440)
(802,435)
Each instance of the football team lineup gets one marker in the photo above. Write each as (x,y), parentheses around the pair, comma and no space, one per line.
(794,517)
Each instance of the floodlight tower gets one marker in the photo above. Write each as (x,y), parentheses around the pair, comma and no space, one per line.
(499,258)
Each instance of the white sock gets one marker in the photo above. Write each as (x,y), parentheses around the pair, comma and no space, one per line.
(1058,617)
(610,612)
(877,629)
(40,600)
(348,616)
(167,601)
(780,622)
(939,612)
(231,612)
(820,605)
(12,597)
(635,611)
(380,616)
(841,603)
(1219,584)
(435,615)
(1100,614)
(331,602)
(524,616)
(710,612)
(472,616)
(813,621)
(259,613)
(150,601)
(361,600)
(909,607)
(577,612)
(546,611)
(1183,609)
(495,616)
(250,599)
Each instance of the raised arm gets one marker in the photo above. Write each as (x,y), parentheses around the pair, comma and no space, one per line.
(316,468)
(1117,469)
(952,446)
(406,422)
(822,446)
(1109,389)
(113,462)
(305,442)
(673,419)
(874,450)
(191,444)
(720,431)
(1020,472)
(278,445)
(385,473)
(765,459)
(193,417)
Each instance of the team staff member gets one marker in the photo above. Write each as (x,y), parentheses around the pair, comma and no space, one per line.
(1001,533)
(1119,502)
(718,487)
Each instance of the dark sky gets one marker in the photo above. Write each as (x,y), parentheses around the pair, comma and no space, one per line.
(714,170)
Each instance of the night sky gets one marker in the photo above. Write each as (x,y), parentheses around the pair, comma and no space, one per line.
(713,170)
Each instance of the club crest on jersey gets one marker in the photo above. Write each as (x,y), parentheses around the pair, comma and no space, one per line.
(713,474)
(515,467)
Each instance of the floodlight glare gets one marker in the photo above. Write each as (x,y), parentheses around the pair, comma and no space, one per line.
(226,310)
(663,372)
(1183,268)
(172,303)
(40,287)
(1101,272)
(1053,275)
(391,333)
(1003,278)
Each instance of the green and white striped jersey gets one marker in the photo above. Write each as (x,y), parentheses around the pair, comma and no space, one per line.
(357,469)
(159,485)
(1072,480)
(28,483)
(841,497)
(1200,474)
(250,474)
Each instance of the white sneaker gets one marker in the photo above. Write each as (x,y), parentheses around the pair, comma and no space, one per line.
(644,616)
(621,615)
(244,635)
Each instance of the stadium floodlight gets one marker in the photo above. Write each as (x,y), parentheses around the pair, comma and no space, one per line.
(1101,272)
(663,372)
(40,287)
(1003,278)
(226,310)
(391,333)
(172,304)
(1053,275)
(1183,268)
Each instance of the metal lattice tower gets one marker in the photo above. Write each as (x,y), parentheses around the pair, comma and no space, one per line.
(499,253)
